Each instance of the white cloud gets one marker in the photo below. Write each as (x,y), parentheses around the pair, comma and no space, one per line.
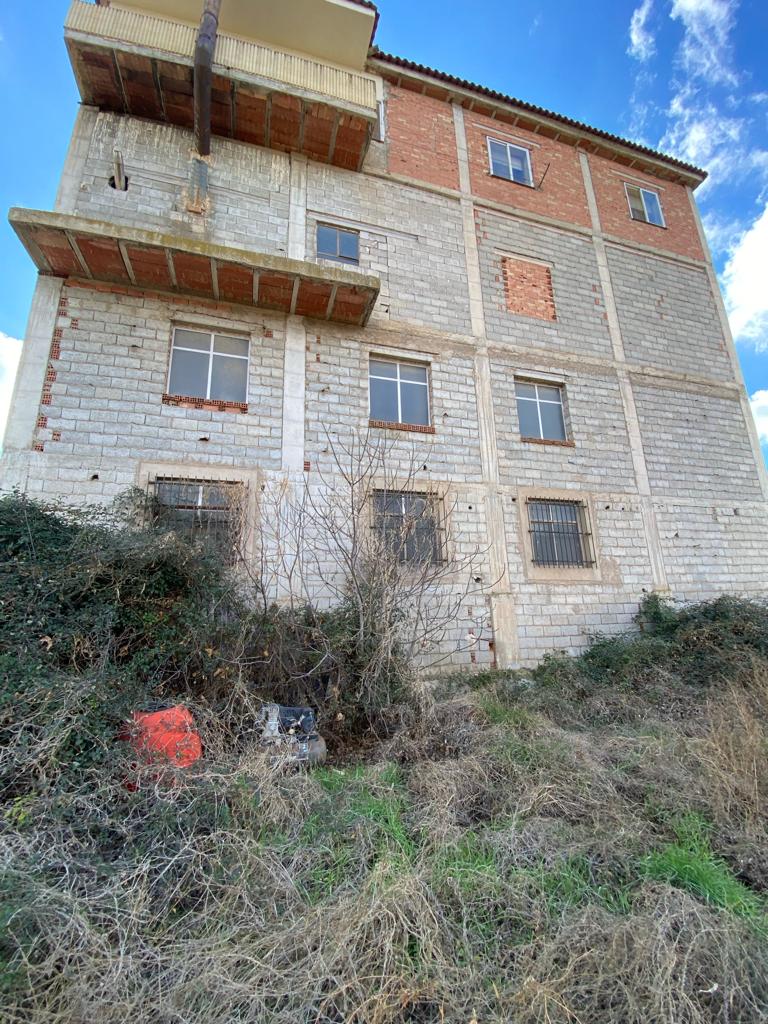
(10,351)
(705,51)
(642,45)
(699,132)
(746,286)
(759,405)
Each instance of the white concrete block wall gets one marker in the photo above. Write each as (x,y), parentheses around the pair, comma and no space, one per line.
(112,371)
(600,458)
(105,421)
(581,322)
(696,443)
(420,256)
(668,315)
(248,185)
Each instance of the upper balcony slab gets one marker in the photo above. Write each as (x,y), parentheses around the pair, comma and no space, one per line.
(132,62)
(64,245)
(338,31)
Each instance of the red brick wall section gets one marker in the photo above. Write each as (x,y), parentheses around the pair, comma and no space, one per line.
(528,288)
(561,195)
(421,136)
(680,234)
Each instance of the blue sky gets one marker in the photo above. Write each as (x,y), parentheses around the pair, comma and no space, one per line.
(686,76)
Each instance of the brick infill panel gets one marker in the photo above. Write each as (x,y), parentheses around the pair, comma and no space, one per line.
(418,428)
(187,402)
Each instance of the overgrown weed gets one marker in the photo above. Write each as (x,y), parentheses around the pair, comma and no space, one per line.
(581,842)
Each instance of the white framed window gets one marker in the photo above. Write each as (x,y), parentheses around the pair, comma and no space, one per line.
(339,244)
(399,392)
(644,205)
(510,161)
(540,411)
(559,533)
(410,525)
(208,365)
(207,512)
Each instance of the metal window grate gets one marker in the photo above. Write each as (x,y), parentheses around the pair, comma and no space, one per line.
(559,533)
(208,512)
(410,525)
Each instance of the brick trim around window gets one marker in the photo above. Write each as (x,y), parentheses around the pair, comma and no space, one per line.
(188,402)
(418,428)
(546,440)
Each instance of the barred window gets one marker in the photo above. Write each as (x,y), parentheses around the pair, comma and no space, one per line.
(540,411)
(559,533)
(209,512)
(410,525)
(399,392)
(210,366)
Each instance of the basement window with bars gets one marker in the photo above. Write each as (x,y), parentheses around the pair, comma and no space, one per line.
(540,411)
(559,534)
(644,205)
(207,512)
(399,392)
(339,244)
(510,162)
(410,525)
(208,366)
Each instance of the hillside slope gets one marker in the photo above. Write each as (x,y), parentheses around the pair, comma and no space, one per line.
(586,843)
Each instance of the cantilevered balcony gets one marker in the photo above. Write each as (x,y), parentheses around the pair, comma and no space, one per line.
(136,61)
(64,245)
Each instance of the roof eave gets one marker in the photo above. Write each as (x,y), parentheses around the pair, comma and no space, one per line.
(684,172)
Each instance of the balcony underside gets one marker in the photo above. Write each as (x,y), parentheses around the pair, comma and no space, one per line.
(132,63)
(63,245)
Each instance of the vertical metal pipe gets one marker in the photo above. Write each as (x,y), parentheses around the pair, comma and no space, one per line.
(204,49)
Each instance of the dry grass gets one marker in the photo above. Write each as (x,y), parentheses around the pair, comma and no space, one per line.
(583,847)
(500,884)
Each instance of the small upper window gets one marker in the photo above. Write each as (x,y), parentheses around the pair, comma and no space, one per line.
(510,162)
(399,392)
(559,534)
(338,244)
(644,205)
(211,366)
(409,525)
(540,411)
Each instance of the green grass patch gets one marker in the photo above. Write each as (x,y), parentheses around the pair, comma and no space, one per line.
(691,865)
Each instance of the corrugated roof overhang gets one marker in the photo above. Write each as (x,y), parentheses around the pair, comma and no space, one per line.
(64,245)
(622,150)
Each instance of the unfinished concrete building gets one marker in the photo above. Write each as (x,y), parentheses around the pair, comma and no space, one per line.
(269,233)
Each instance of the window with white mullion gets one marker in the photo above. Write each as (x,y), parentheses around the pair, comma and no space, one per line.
(399,392)
(509,161)
(208,365)
(644,205)
(540,411)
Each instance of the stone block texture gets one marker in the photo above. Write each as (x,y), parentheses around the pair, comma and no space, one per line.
(657,447)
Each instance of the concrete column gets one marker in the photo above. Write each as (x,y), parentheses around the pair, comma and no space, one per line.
(294,385)
(294,366)
(25,403)
(631,418)
(501,600)
(74,164)
(746,410)
(297,209)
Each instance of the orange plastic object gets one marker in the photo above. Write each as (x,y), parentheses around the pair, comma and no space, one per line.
(166,735)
